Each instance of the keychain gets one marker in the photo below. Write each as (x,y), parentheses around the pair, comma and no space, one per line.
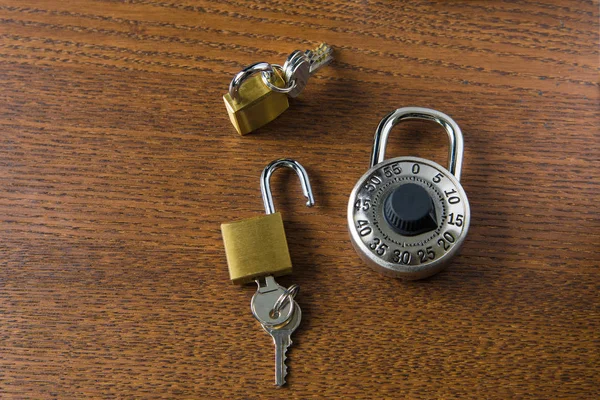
(257,249)
(258,94)
(408,216)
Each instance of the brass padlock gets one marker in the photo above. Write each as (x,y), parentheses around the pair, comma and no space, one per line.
(257,247)
(259,93)
(250,103)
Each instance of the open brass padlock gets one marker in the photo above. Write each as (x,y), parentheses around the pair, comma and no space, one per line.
(256,247)
(259,93)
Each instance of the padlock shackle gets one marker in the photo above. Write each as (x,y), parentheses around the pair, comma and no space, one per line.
(240,77)
(455,137)
(265,186)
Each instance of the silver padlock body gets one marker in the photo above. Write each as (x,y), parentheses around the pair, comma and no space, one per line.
(391,253)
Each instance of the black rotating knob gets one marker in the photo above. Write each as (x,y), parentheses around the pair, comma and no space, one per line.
(410,210)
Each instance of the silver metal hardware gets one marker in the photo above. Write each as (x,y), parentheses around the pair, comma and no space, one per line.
(265,178)
(266,78)
(296,71)
(273,305)
(286,297)
(319,57)
(298,67)
(266,299)
(282,339)
(455,137)
(419,248)
(236,82)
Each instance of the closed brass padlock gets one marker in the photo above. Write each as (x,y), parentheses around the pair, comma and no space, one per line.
(250,103)
(257,247)
(259,93)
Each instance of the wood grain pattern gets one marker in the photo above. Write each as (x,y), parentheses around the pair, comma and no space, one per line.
(119,164)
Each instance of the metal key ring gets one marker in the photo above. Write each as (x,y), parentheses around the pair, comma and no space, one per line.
(287,296)
(246,73)
(266,75)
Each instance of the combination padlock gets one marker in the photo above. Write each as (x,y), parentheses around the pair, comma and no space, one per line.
(259,93)
(408,216)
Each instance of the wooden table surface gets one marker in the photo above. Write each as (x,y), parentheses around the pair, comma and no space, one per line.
(119,163)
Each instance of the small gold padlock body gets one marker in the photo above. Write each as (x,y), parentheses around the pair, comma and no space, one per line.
(257,104)
(256,247)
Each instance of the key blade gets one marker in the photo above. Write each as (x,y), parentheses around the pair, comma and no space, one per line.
(319,57)
(282,341)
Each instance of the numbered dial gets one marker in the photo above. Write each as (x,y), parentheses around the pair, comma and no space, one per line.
(407,217)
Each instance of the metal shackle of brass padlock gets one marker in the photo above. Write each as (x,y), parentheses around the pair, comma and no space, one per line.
(257,247)
(259,93)
(408,216)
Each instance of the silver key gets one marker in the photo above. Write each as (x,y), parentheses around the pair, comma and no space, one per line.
(282,339)
(262,304)
(319,57)
(299,66)
(279,315)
